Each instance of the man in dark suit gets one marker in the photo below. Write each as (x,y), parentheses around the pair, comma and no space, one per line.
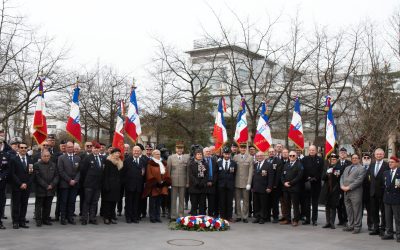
(366,162)
(212,171)
(262,183)
(313,166)
(132,179)
(291,180)
(273,197)
(377,186)
(69,173)
(91,173)
(4,174)
(391,198)
(21,173)
(226,184)
(341,209)
(81,190)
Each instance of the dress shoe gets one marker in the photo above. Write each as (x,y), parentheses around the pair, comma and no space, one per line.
(275,221)
(295,223)
(375,232)
(114,222)
(56,219)
(15,226)
(93,222)
(39,223)
(245,221)
(398,239)
(152,221)
(370,229)
(314,223)
(129,221)
(107,221)
(326,226)
(63,222)
(333,226)
(135,221)
(26,221)
(306,223)
(356,231)
(285,222)
(341,223)
(4,218)
(238,219)
(47,223)
(84,222)
(158,220)
(348,229)
(267,220)
(282,219)
(387,237)
(23,225)
(72,222)
(2,226)
(119,214)
(256,221)
(261,221)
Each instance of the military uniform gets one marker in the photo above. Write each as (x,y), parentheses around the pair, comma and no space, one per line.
(243,178)
(391,199)
(178,167)
(226,186)
(4,173)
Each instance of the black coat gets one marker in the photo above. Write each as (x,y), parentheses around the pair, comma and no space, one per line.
(198,177)
(111,182)
(377,184)
(226,178)
(4,168)
(366,185)
(68,170)
(392,188)
(293,175)
(312,168)
(263,178)
(277,167)
(132,174)
(91,172)
(45,174)
(20,173)
(330,193)
(213,180)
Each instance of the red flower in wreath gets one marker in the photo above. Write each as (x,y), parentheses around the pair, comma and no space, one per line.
(190,224)
(192,218)
(217,225)
(202,225)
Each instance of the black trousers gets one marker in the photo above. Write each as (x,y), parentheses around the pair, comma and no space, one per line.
(225,204)
(92,196)
(2,202)
(211,209)
(187,198)
(19,204)
(392,212)
(121,197)
(109,209)
(273,204)
(292,199)
(81,193)
(68,199)
(311,198)
(376,206)
(43,208)
(143,206)
(341,210)
(154,207)
(198,202)
(260,205)
(367,207)
(132,205)
(330,213)
(58,202)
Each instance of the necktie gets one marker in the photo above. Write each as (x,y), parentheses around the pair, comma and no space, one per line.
(226,166)
(24,162)
(179,157)
(98,162)
(71,159)
(392,175)
(376,168)
(258,166)
(210,170)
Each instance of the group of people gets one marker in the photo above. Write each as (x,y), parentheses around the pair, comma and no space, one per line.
(235,183)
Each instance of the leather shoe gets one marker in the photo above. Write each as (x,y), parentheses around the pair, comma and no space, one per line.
(348,229)
(47,223)
(261,221)
(63,222)
(305,223)
(135,221)
(356,231)
(93,222)
(2,226)
(375,232)
(314,223)
(256,221)
(152,221)
(275,221)
(285,222)
(107,221)
(72,222)
(333,227)
(398,239)
(387,237)
(23,225)
(15,226)
(245,221)
(238,219)
(128,221)
(295,223)
(84,222)
(114,222)
(158,220)
(39,223)
(326,226)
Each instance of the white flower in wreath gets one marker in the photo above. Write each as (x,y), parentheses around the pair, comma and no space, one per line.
(198,221)
(186,221)
(208,224)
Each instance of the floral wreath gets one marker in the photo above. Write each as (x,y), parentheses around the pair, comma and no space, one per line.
(200,223)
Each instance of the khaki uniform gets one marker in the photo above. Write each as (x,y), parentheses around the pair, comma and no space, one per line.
(244,175)
(178,167)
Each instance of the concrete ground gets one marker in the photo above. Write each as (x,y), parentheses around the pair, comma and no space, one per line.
(157,236)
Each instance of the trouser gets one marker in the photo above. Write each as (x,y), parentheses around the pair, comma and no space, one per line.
(225,203)
(68,199)
(293,199)
(177,193)
(198,202)
(19,204)
(285,210)
(43,208)
(154,207)
(58,202)
(392,211)
(341,210)
(353,204)
(81,193)
(2,202)
(311,198)
(166,204)
(211,209)
(260,205)
(143,206)
(242,210)
(367,207)
(273,204)
(120,201)
(330,213)
(132,199)
(109,209)
(187,198)
(90,203)
(376,205)
(251,210)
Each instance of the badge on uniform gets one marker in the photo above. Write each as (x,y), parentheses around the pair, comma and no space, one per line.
(231,169)
(397,183)
(263,173)
(336,172)
(284,172)
(76,164)
(220,169)
(274,166)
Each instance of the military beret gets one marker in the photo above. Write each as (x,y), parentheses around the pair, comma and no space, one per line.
(343,149)
(226,150)
(394,158)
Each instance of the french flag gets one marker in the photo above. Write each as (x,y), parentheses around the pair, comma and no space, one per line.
(132,122)
(219,134)
(330,129)
(263,139)
(241,132)
(118,140)
(39,124)
(73,125)
(296,127)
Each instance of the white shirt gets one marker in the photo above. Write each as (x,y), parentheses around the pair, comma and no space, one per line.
(224,164)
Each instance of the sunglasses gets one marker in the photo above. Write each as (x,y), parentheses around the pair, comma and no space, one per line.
(45,145)
(366,157)
(292,156)
(89,146)
(23,147)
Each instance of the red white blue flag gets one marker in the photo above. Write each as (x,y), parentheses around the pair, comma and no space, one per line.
(39,124)
(132,122)
(118,140)
(263,139)
(73,125)
(241,132)
(330,129)
(219,134)
(296,127)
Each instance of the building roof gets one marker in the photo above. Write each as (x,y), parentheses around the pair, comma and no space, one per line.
(212,49)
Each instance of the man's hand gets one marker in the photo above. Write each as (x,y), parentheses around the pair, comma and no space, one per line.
(49,187)
(345,188)
(269,190)
(23,186)
(209,184)
(187,185)
(287,184)
(248,187)
(72,182)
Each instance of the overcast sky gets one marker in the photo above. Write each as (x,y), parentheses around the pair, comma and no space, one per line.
(121,32)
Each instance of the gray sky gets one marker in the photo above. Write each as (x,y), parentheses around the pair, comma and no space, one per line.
(121,32)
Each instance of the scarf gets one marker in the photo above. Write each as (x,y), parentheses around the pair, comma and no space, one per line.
(162,167)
